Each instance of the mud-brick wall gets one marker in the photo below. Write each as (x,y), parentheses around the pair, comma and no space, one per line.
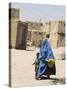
(21,35)
(53,34)
(13,22)
(57,34)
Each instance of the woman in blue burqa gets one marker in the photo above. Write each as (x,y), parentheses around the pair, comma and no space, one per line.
(45,53)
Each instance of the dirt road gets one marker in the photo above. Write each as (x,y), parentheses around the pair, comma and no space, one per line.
(22,70)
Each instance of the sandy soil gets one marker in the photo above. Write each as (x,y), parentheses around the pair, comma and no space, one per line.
(22,70)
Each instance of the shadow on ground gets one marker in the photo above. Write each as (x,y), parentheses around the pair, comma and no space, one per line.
(58,81)
(54,81)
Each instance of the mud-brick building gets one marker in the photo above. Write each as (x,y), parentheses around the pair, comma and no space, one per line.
(21,38)
(23,34)
(35,33)
(13,22)
(57,33)
(17,30)
(38,31)
(56,30)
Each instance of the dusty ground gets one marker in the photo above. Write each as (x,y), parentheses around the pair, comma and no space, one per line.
(22,70)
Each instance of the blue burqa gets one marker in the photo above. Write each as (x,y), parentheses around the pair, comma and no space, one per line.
(45,53)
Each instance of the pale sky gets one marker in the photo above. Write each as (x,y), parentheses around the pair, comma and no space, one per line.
(35,12)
